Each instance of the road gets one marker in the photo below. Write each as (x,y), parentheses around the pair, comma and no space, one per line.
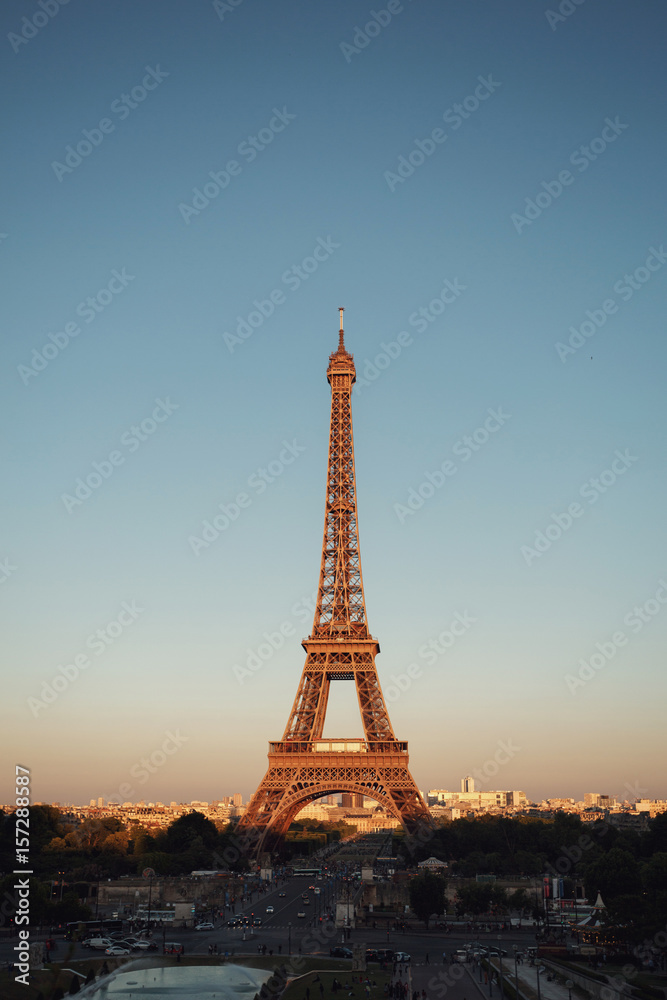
(284,929)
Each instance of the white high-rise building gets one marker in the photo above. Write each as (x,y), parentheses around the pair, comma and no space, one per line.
(468,784)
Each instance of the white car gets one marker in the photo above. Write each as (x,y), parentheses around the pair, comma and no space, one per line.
(116,949)
(98,943)
(301,913)
(269,909)
(206,926)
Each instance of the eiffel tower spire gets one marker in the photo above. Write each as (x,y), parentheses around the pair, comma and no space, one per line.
(303,766)
(341,610)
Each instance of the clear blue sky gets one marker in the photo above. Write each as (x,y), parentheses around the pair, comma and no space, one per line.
(346,175)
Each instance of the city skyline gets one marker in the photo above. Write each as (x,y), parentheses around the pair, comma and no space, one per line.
(481,189)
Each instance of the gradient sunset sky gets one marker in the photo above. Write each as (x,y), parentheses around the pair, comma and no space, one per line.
(482,186)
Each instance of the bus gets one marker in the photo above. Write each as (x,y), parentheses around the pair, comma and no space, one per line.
(308,872)
(81,929)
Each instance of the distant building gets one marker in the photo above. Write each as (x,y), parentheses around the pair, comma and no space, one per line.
(468,784)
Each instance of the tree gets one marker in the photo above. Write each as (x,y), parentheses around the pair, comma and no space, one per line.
(183,831)
(473,898)
(615,873)
(427,896)
(520,900)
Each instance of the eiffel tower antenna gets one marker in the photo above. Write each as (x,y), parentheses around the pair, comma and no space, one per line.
(304,766)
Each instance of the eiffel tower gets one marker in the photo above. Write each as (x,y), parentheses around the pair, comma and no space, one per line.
(304,766)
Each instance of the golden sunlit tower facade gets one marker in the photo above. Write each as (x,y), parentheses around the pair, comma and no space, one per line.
(304,766)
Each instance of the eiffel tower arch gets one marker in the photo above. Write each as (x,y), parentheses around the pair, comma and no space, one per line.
(303,765)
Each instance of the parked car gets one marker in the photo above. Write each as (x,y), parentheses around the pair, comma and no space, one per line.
(205,926)
(115,949)
(269,909)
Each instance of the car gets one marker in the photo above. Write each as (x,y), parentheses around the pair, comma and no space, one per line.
(205,926)
(99,943)
(460,956)
(282,895)
(115,949)
(256,922)
(306,901)
(317,891)
(144,946)
(233,922)
(340,952)
(173,948)
(311,887)
(401,957)
(269,909)
(301,914)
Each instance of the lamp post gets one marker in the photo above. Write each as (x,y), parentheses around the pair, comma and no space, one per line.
(289,937)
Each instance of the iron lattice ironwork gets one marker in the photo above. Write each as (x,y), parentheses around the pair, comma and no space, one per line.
(304,765)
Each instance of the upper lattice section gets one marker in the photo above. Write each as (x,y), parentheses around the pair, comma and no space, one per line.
(340,611)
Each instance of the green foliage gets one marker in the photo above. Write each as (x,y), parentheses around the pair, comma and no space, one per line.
(614,874)
(427,896)
(480,897)
(186,829)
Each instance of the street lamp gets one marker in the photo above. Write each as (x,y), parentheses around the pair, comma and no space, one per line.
(289,937)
